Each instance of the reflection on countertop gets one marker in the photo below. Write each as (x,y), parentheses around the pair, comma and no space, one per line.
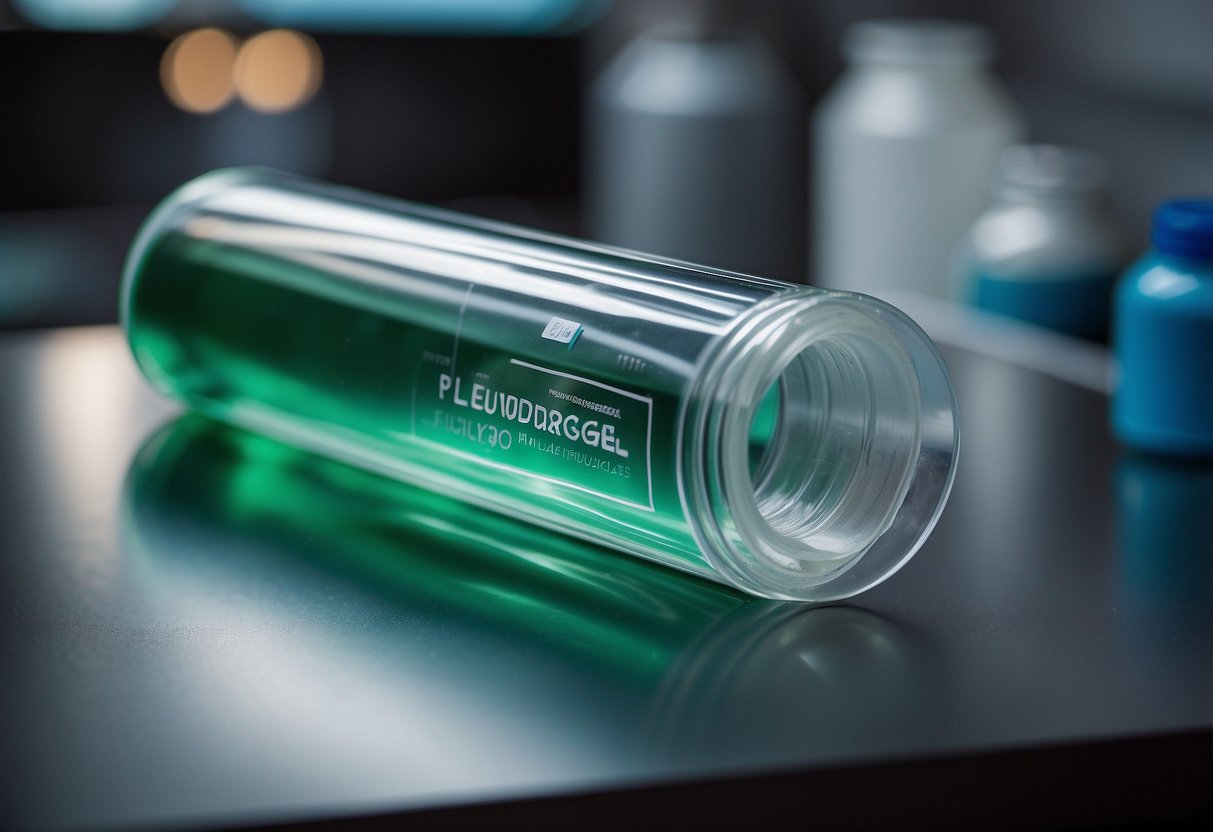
(524,631)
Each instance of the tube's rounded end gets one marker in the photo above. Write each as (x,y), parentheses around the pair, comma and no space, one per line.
(853,474)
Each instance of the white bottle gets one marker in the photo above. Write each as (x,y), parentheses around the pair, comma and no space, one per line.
(905,148)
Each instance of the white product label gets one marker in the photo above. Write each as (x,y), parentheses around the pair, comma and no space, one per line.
(561,330)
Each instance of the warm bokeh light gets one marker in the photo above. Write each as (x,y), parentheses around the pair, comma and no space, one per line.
(278,70)
(197,70)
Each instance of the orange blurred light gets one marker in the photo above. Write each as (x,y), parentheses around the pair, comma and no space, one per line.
(197,70)
(278,70)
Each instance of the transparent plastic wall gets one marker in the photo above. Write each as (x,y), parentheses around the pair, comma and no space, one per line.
(791,442)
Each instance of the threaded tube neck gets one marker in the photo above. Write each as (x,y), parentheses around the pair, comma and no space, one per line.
(859,461)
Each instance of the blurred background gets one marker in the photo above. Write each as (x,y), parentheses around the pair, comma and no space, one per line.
(539,112)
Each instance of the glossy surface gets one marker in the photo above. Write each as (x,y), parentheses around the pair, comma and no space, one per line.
(208,629)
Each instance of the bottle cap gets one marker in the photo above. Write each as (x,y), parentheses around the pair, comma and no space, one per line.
(1049,170)
(1184,228)
(918,42)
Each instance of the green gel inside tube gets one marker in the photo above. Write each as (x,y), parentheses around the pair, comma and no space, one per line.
(790,442)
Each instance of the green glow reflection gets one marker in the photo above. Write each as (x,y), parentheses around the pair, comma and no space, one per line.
(680,669)
(418,547)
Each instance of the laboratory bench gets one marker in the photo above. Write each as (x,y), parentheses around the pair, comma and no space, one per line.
(207,630)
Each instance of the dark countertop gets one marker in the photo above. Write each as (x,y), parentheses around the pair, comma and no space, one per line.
(217,631)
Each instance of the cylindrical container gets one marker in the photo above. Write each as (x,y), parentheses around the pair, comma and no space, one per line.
(904,148)
(695,150)
(593,391)
(1048,250)
(1163,336)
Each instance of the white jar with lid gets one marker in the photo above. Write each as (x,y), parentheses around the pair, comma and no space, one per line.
(905,148)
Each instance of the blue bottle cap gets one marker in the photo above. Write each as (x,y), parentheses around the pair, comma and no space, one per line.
(1184,228)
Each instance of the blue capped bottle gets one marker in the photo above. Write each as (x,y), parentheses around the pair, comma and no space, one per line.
(1163,335)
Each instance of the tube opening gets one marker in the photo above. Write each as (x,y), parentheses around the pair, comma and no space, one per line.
(840,454)
(828,447)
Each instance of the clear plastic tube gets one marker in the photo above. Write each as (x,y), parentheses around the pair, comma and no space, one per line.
(791,442)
